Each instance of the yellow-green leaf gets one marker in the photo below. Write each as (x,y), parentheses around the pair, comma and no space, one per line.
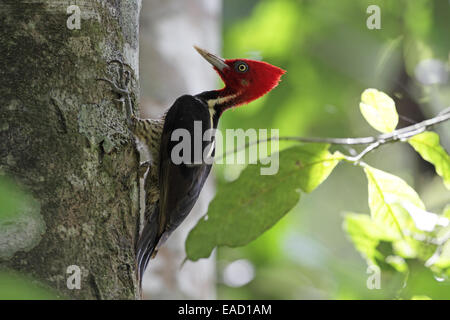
(388,197)
(365,235)
(428,146)
(379,110)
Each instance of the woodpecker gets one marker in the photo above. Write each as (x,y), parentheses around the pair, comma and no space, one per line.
(173,189)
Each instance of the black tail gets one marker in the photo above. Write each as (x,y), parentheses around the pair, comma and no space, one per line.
(147,242)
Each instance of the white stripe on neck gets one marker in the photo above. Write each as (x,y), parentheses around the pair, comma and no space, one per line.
(214,102)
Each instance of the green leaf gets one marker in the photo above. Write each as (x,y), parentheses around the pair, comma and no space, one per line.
(245,208)
(442,260)
(365,235)
(442,256)
(388,197)
(398,263)
(379,110)
(428,146)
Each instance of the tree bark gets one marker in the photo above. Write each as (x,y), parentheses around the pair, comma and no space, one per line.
(64,138)
(170,67)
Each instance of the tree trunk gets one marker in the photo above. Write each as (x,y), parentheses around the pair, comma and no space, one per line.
(170,67)
(64,138)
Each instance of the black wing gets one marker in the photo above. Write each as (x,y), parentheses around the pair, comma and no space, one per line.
(180,184)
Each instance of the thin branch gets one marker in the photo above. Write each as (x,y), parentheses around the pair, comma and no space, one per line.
(366,150)
(372,142)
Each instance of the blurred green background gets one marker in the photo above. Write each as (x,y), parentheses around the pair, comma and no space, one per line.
(331,57)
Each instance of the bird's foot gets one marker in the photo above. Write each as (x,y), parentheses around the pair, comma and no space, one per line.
(123,77)
(121,87)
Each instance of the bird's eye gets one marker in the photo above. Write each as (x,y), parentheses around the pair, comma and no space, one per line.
(241,66)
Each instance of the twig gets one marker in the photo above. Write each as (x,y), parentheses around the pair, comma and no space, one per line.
(372,142)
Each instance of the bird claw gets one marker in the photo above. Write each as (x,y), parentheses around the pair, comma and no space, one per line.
(123,77)
(121,88)
(114,87)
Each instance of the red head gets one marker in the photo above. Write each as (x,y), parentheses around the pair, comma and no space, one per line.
(245,80)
